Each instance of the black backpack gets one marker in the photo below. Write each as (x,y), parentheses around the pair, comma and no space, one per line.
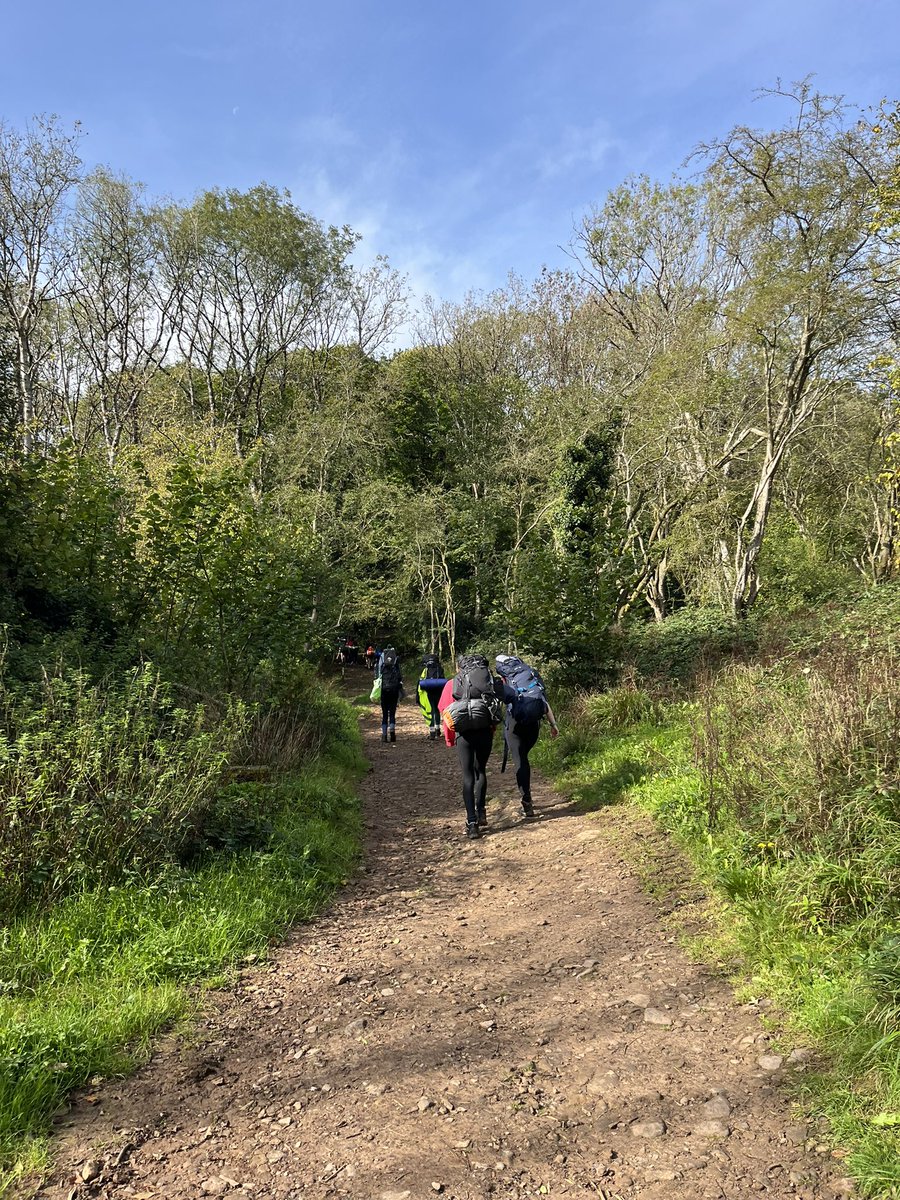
(391,679)
(432,668)
(474,682)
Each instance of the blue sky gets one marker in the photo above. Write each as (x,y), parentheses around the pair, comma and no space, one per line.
(463,140)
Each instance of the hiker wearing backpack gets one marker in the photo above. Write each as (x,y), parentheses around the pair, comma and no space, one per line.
(391,690)
(470,711)
(526,706)
(431,685)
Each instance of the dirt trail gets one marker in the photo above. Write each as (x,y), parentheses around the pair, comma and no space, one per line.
(507,1017)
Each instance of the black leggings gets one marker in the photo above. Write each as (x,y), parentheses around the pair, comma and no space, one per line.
(389,709)
(521,739)
(474,750)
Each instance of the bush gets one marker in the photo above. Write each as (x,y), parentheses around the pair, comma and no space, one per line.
(688,643)
(291,718)
(100,782)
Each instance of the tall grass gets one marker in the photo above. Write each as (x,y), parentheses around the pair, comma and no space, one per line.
(803,757)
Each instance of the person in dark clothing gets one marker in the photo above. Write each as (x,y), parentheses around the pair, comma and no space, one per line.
(522,724)
(391,690)
(473,749)
(521,740)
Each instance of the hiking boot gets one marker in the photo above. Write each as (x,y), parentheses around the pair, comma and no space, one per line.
(482,819)
(472,830)
(527,808)
(393,735)
(384,735)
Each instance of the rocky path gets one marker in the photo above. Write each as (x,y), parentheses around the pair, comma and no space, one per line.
(502,1018)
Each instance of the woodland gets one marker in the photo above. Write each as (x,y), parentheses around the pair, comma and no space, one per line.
(669,475)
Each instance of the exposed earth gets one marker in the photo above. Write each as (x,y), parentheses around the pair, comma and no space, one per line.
(506,1017)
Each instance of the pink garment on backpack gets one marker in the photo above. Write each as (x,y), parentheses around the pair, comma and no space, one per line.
(445,701)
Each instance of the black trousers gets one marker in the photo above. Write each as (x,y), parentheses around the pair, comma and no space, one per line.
(521,739)
(473,750)
(389,702)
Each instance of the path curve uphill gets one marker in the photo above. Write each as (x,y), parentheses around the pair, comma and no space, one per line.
(503,1017)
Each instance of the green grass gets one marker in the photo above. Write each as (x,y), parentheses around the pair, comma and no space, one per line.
(85,985)
(832,967)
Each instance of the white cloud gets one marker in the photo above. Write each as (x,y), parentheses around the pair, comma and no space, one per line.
(578,148)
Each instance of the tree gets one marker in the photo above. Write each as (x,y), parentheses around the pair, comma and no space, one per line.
(119,305)
(648,257)
(249,272)
(38,167)
(801,240)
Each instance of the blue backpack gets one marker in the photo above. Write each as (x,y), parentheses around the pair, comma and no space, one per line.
(530,701)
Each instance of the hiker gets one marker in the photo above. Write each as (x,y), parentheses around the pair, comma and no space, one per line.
(391,690)
(352,651)
(431,685)
(370,658)
(471,711)
(526,706)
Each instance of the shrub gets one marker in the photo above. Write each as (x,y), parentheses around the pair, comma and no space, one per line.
(688,643)
(98,782)
(291,718)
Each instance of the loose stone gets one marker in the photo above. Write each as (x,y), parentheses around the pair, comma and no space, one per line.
(716,1108)
(648,1129)
(655,1016)
(717,1129)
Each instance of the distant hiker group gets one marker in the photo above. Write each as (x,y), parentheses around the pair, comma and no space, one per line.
(468,707)
(347,654)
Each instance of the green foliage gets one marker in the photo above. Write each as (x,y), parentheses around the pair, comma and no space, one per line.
(100,782)
(67,546)
(619,708)
(418,416)
(804,758)
(691,641)
(583,479)
(227,583)
(800,572)
(872,622)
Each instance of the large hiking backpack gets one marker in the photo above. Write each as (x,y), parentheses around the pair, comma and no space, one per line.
(530,701)
(475,702)
(391,679)
(431,667)
(475,713)
(473,678)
